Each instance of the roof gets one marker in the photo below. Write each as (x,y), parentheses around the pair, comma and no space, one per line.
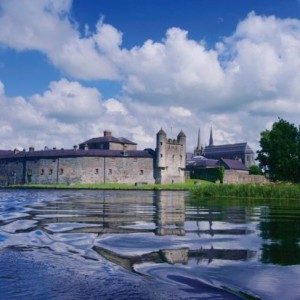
(181,134)
(5,152)
(73,153)
(109,138)
(230,148)
(161,132)
(201,162)
(233,164)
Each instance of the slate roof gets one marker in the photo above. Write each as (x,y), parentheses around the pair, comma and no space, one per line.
(110,138)
(73,153)
(201,162)
(230,148)
(233,164)
(5,152)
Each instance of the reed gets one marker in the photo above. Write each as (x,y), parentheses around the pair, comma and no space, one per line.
(267,191)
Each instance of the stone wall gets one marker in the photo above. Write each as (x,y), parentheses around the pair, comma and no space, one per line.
(78,170)
(231,176)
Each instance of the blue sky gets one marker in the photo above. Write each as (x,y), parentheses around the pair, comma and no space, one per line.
(70,69)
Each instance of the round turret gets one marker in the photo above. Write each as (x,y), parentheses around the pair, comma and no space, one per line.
(161,132)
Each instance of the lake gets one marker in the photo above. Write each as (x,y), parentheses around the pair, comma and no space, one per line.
(63,244)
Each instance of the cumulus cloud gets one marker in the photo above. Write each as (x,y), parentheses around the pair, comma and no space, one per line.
(180,111)
(45,26)
(115,106)
(68,101)
(239,86)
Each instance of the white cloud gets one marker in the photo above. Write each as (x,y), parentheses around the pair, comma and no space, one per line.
(45,26)
(242,84)
(180,111)
(68,102)
(115,106)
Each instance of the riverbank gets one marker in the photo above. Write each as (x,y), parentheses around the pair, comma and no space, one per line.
(198,188)
(258,191)
(188,185)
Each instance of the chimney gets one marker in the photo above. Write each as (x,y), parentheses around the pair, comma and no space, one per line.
(107,133)
(86,147)
(31,149)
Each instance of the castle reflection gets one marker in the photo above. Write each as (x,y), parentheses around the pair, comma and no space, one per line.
(159,213)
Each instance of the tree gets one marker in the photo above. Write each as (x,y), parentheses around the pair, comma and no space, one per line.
(280,152)
(255,170)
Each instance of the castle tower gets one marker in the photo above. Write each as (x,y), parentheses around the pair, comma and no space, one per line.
(161,140)
(181,139)
(170,158)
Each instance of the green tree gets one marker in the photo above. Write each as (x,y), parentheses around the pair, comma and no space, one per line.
(255,170)
(280,152)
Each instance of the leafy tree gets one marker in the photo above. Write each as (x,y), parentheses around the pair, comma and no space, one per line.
(220,173)
(280,151)
(255,170)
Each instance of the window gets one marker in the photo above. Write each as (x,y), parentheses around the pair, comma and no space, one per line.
(50,171)
(110,171)
(161,155)
(61,171)
(42,171)
(97,171)
(141,172)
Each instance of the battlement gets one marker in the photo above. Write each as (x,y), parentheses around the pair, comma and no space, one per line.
(170,158)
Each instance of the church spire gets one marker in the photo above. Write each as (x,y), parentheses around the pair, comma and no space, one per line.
(211,140)
(199,141)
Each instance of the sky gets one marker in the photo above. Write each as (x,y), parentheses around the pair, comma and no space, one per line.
(71,69)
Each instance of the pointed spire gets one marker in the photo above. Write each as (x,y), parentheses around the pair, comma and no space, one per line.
(211,140)
(199,141)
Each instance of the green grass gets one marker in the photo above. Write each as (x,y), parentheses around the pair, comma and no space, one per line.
(266,191)
(188,185)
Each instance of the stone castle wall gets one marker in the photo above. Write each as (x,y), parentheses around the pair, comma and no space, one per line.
(78,170)
(236,177)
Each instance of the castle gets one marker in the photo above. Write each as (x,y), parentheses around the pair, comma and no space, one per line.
(105,159)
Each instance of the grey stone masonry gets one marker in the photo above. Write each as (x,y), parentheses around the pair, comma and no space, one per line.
(170,158)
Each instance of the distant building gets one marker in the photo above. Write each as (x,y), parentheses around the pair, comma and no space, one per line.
(108,142)
(237,151)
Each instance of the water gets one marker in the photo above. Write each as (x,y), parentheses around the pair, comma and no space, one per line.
(146,245)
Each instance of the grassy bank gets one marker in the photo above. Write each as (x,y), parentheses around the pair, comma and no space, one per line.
(267,191)
(188,185)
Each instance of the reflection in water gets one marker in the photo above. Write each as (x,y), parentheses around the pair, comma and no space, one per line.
(225,249)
